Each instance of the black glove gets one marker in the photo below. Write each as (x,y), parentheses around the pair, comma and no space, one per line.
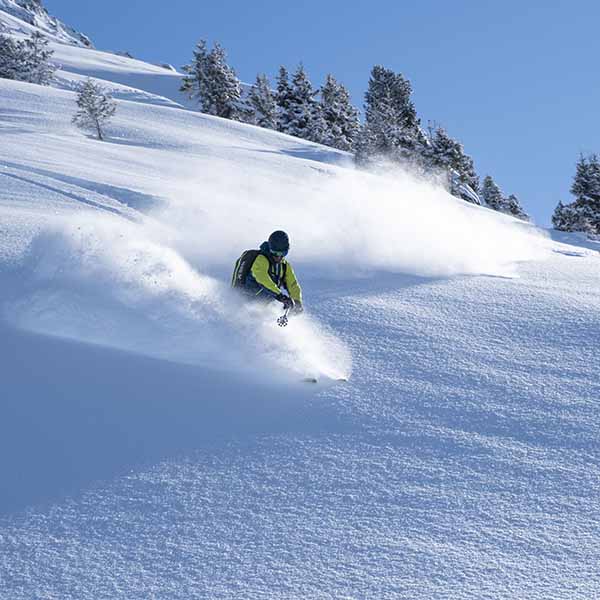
(287,302)
(298,308)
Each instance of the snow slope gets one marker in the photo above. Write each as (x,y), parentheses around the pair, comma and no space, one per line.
(155,440)
(22,17)
(126,78)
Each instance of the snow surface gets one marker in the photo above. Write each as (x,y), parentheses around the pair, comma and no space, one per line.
(23,17)
(155,438)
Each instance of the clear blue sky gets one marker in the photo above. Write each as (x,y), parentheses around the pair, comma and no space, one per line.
(517,82)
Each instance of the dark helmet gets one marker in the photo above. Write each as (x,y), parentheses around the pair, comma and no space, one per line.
(279,243)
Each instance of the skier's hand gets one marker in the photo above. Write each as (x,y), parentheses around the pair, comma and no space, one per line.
(298,308)
(287,302)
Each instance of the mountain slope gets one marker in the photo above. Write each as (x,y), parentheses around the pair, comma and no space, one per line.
(25,16)
(155,438)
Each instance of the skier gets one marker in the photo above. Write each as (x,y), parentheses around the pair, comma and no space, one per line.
(263,274)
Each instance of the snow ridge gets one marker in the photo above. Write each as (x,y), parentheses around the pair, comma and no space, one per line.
(33,13)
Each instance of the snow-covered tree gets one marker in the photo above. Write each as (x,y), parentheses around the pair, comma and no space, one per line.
(494,199)
(225,89)
(26,60)
(95,107)
(491,194)
(586,183)
(11,57)
(262,104)
(212,82)
(446,155)
(303,108)
(584,213)
(341,122)
(513,207)
(586,188)
(37,68)
(569,217)
(283,98)
(392,129)
(194,82)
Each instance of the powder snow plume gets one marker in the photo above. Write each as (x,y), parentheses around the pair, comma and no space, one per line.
(99,280)
(347,222)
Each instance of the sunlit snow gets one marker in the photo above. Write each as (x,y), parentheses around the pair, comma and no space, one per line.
(156,437)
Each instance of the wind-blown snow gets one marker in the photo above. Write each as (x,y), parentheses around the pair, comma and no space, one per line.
(204,209)
(155,438)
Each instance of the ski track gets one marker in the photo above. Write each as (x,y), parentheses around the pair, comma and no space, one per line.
(156,440)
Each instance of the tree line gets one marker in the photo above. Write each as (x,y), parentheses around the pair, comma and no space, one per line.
(391,131)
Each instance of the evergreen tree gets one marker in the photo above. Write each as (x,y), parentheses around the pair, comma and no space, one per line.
(491,194)
(568,217)
(558,217)
(584,213)
(303,108)
(341,123)
(26,60)
(494,199)
(586,188)
(213,82)
(11,57)
(194,82)
(513,207)
(318,128)
(444,154)
(262,104)
(392,129)
(586,183)
(37,68)
(283,98)
(225,86)
(95,106)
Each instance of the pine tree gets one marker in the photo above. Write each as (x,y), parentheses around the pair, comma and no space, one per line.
(225,90)
(586,183)
(493,198)
(586,189)
(392,129)
(194,82)
(444,154)
(26,60)
(491,194)
(318,128)
(37,68)
(584,213)
(96,107)
(558,217)
(213,82)
(513,207)
(11,57)
(283,99)
(341,122)
(567,217)
(303,108)
(262,103)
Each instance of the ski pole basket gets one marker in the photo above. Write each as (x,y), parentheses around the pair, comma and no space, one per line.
(282,321)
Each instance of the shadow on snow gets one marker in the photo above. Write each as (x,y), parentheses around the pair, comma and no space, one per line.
(73,414)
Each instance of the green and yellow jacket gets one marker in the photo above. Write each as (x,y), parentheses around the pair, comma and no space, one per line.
(267,278)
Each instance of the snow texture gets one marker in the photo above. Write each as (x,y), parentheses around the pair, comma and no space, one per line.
(156,440)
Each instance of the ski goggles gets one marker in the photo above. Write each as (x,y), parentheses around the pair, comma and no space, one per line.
(280,253)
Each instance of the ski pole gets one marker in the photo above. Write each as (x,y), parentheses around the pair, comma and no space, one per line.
(282,321)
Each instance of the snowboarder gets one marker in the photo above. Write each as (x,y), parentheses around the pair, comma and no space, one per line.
(263,274)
